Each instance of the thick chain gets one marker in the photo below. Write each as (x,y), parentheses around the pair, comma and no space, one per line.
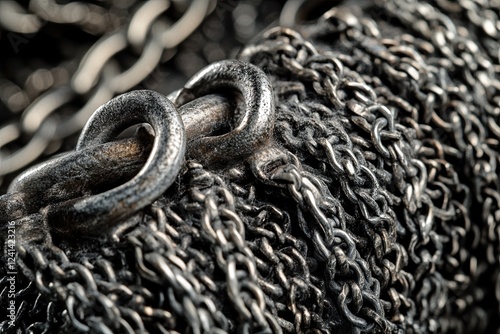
(99,77)
(372,205)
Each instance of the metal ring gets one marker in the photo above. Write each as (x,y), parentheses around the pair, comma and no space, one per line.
(70,175)
(100,212)
(255,124)
(57,180)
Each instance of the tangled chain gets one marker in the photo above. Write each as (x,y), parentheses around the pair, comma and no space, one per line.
(412,77)
(374,209)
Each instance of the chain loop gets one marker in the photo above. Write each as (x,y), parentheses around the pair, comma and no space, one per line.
(99,72)
(350,210)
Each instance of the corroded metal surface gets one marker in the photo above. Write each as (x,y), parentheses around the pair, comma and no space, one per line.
(341,176)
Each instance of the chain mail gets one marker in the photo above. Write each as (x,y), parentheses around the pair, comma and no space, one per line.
(369,203)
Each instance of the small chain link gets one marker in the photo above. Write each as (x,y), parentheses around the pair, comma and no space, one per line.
(374,207)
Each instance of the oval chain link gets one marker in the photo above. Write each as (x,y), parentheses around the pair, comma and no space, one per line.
(99,76)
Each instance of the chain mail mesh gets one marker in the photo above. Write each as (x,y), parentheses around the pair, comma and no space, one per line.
(376,211)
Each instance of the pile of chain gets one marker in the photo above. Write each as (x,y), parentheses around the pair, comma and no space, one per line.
(375,210)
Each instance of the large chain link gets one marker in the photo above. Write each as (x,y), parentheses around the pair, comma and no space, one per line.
(374,207)
(100,74)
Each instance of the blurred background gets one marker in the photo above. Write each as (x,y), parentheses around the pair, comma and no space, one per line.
(60,60)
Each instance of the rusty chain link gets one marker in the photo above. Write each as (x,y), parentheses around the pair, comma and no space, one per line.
(368,202)
(99,76)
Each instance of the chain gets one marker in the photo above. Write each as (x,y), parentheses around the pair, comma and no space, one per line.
(354,190)
(87,16)
(351,170)
(428,191)
(22,28)
(99,76)
(471,129)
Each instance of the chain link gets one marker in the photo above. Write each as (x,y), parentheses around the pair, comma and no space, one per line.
(99,77)
(372,205)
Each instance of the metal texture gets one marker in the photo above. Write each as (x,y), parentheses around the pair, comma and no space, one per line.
(99,212)
(353,188)
(99,76)
(257,120)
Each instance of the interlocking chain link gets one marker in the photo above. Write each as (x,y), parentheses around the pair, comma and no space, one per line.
(434,189)
(87,16)
(373,207)
(100,75)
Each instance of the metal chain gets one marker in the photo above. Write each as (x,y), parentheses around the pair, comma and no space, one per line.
(99,77)
(371,205)
(363,35)
(20,30)
(92,17)
(471,138)
(329,142)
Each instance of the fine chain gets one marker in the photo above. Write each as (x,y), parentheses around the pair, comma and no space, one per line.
(441,202)
(343,151)
(389,153)
(473,139)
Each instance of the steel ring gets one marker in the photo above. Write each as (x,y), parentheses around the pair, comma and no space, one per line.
(257,120)
(100,212)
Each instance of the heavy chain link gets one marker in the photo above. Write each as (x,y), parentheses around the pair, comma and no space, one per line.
(100,74)
(371,206)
